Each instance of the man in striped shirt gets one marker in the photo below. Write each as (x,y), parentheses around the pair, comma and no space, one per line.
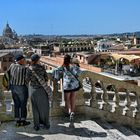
(19,90)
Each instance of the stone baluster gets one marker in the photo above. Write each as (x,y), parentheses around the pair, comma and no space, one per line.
(80,101)
(6,114)
(111,96)
(137,117)
(118,108)
(29,109)
(2,101)
(129,111)
(56,95)
(55,109)
(79,97)
(2,98)
(105,98)
(93,101)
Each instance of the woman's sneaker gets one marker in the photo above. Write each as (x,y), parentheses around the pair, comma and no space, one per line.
(36,128)
(18,123)
(71,116)
(24,123)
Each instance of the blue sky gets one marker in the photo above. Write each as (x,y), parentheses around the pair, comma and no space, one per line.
(63,17)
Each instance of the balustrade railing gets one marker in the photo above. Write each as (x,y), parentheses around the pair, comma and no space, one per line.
(101,96)
(113,100)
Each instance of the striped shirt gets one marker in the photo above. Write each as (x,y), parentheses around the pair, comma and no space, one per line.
(17,74)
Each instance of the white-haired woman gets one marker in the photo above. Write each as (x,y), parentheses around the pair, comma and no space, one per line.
(39,97)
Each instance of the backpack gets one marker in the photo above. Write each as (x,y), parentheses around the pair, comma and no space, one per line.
(6,80)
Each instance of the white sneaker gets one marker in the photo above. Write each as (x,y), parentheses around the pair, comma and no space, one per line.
(71,116)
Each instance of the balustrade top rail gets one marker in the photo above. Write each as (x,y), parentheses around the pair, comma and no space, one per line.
(58,61)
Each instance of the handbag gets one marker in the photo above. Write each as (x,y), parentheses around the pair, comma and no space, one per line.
(47,88)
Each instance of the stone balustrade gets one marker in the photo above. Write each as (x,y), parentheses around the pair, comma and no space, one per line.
(115,100)
(101,97)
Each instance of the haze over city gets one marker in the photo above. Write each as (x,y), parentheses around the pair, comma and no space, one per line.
(62,17)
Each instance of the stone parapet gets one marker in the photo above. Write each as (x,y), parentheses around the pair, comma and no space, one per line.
(100,97)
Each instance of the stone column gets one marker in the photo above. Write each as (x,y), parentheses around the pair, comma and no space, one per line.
(79,97)
(55,109)
(129,111)
(137,117)
(93,101)
(118,108)
(105,99)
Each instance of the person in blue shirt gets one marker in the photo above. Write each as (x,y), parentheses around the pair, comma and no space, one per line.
(69,73)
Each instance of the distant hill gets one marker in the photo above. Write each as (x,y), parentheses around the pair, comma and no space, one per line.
(84,35)
(103,35)
(126,33)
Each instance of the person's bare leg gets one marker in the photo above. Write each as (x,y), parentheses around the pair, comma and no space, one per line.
(73,101)
(67,102)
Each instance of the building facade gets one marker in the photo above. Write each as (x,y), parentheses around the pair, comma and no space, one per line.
(5,61)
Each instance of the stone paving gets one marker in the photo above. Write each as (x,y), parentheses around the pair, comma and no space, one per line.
(85,129)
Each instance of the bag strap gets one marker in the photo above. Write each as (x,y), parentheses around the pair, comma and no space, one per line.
(34,73)
(42,82)
(72,74)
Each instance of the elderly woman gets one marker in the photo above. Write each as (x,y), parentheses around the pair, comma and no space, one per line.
(39,97)
(69,73)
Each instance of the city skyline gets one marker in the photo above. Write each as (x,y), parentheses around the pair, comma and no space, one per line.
(63,17)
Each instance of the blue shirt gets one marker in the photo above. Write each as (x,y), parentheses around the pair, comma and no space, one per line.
(69,76)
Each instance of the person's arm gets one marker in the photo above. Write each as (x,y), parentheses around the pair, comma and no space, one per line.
(58,73)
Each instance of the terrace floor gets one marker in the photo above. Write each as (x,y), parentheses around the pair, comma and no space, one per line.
(84,129)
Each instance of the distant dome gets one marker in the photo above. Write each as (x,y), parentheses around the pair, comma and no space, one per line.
(7,32)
